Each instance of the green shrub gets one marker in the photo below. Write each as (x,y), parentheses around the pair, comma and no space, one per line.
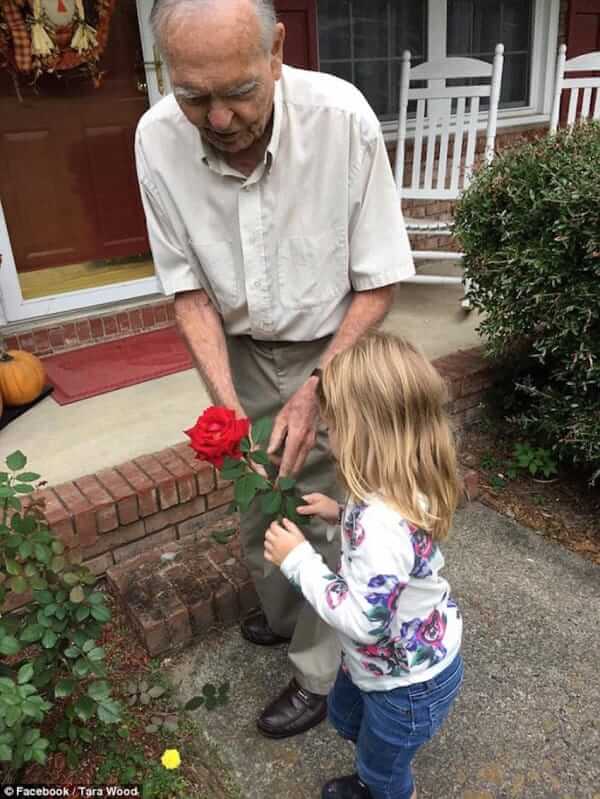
(529,225)
(61,667)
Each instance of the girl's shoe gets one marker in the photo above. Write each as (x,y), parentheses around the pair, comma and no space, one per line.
(346,788)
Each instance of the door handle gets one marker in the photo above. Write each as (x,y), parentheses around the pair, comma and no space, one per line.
(157,65)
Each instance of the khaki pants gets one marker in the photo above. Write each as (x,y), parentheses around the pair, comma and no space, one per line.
(266,375)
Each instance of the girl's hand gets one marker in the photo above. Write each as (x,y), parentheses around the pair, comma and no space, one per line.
(280,540)
(320,505)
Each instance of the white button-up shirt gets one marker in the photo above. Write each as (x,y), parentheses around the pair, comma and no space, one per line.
(281,251)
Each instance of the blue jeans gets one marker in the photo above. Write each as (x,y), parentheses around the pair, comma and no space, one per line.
(388,727)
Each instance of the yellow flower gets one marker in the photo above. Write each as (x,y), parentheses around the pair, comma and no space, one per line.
(170,758)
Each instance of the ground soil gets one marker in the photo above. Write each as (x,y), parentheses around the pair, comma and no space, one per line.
(566,509)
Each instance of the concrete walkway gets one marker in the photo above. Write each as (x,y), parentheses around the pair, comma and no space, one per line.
(68,441)
(526,725)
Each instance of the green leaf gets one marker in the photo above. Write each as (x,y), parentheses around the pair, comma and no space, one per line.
(96,598)
(12,715)
(81,668)
(49,639)
(232,463)
(286,483)
(18,584)
(109,712)
(6,753)
(96,654)
(64,687)
(70,578)
(24,488)
(25,673)
(86,735)
(209,690)
(57,564)
(16,461)
(99,690)
(72,652)
(6,491)
(39,755)
(245,445)
(261,430)
(12,567)
(42,553)
(31,736)
(9,645)
(28,477)
(291,503)
(233,473)
(270,503)
(258,456)
(101,613)
(224,536)
(58,547)
(156,691)
(245,490)
(194,703)
(82,613)
(25,549)
(85,707)
(44,597)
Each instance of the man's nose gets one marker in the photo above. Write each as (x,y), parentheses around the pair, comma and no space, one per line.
(220,117)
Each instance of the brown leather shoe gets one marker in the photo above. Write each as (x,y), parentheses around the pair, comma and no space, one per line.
(294,711)
(255,628)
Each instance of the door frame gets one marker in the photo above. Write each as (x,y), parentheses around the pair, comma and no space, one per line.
(13,307)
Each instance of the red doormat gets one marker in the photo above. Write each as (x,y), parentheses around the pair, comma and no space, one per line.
(111,365)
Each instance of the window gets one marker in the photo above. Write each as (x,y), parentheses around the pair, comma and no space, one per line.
(476,26)
(362,41)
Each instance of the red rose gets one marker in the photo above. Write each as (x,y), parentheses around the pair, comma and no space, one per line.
(217,435)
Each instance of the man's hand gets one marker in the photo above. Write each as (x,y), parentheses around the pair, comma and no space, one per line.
(296,424)
(320,505)
(280,540)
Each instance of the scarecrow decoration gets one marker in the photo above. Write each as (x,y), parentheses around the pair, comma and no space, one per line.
(38,36)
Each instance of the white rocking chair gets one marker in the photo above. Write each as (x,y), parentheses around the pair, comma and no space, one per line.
(445,114)
(582,105)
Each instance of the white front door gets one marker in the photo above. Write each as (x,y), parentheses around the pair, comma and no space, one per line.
(13,307)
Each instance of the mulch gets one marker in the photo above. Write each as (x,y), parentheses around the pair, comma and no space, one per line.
(566,509)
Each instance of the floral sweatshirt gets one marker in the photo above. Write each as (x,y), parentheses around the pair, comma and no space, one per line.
(393,612)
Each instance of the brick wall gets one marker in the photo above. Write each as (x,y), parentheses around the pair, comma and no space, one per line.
(117,514)
(45,338)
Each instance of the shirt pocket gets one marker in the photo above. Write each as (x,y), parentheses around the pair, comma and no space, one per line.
(218,264)
(312,270)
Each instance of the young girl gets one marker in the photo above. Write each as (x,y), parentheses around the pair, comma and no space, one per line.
(399,629)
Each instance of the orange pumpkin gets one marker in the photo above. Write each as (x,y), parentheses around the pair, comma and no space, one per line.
(22,377)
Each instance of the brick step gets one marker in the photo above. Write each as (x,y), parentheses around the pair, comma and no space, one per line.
(176,593)
(73,331)
(179,591)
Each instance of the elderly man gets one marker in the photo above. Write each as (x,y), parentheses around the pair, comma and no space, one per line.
(273,219)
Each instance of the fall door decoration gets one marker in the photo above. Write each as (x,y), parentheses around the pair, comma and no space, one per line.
(38,36)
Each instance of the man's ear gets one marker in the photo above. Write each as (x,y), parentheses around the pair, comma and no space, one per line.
(277,50)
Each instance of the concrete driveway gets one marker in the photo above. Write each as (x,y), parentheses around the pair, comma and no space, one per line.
(527,724)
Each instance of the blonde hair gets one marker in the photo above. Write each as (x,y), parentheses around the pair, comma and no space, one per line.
(385,402)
